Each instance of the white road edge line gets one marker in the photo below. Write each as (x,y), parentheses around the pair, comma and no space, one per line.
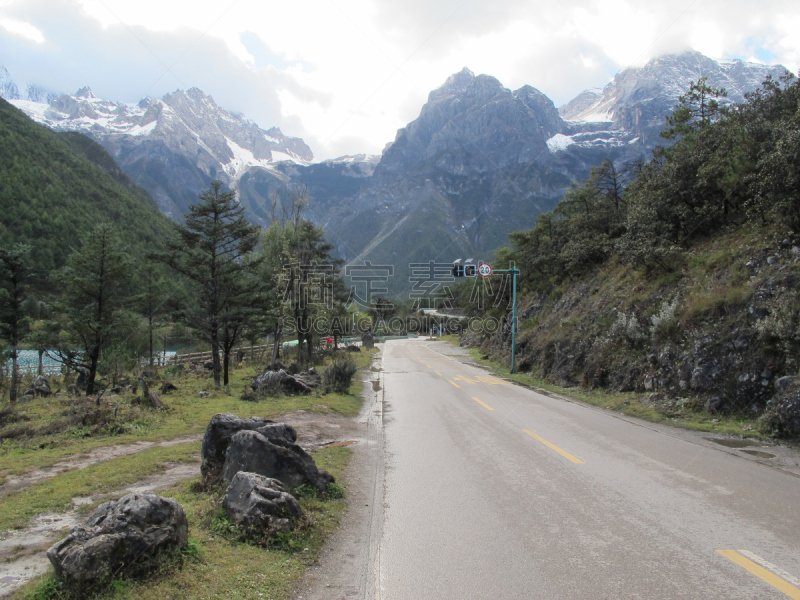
(770,567)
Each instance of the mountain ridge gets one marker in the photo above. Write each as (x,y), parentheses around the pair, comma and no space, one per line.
(479,161)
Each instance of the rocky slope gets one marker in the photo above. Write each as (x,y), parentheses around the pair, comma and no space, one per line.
(701,340)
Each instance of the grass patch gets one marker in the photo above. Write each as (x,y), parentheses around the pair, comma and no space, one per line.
(187,413)
(220,566)
(55,494)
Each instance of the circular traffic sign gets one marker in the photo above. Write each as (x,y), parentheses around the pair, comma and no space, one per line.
(484,269)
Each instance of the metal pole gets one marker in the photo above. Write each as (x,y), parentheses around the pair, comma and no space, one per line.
(514,272)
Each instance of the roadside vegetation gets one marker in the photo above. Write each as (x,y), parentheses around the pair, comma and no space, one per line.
(634,404)
(96,279)
(671,285)
(216,564)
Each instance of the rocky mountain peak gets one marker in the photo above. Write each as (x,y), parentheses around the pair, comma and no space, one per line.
(477,119)
(457,82)
(85,92)
(8,89)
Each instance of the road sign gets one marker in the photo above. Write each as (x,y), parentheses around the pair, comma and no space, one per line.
(484,269)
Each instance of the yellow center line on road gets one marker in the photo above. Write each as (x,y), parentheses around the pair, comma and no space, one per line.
(454,383)
(760,572)
(460,378)
(491,380)
(483,404)
(439,374)
(552,446)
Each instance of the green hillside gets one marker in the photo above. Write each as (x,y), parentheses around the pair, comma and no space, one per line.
(683,286)
(57,187)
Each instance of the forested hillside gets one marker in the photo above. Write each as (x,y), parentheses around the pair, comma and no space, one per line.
(57,187)
(678,277)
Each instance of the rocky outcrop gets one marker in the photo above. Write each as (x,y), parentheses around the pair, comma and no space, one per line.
(219,433)
(120,539)
(260,506)
(280,380)
(782,414)
(41,386)
(273,457)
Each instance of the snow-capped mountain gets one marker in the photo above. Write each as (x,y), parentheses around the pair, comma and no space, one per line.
(482,160)
(172,146)
(10,90)
(631,108)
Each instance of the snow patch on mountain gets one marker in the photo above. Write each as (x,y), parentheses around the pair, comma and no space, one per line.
(243,159)
(559,142)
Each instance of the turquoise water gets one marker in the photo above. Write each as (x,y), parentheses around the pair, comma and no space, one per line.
(30,358)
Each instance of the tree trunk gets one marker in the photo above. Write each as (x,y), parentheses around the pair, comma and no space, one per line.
(276,346)
(12,394)
(215,356)
(40,371)
(150,396)
(150,325)
(94,358)
(225,362)
(309,341)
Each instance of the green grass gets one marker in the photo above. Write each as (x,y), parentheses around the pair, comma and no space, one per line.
(55,494)
(628,403)
(187,413)
(223,567)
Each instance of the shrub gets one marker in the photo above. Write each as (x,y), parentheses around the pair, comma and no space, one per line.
(339,375)
(628,327)
(664,321)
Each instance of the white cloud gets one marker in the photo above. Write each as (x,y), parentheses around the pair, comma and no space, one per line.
(22,29)
(346,75)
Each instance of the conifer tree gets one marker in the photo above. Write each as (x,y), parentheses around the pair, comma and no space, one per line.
(93,310)
(697,109)
(152,299)
(210,250)
(15,273)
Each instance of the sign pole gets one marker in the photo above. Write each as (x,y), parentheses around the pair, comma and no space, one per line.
(514,272)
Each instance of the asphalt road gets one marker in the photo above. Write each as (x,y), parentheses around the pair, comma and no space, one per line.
(494,491)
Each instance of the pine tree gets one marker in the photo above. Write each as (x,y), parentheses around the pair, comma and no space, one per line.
(152,299)
(15,274)
(210,250)
(696,110)
(97,289)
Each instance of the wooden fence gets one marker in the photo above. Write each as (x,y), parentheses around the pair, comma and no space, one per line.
(247,352)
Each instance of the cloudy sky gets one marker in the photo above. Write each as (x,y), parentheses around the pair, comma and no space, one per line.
(345,75)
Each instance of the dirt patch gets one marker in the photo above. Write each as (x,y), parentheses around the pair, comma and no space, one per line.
(315,430)
(340,444)
(81,461)
(22,552)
